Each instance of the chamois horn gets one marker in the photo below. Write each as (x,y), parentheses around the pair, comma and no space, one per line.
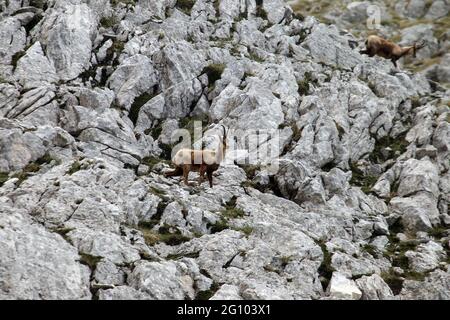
(224,131)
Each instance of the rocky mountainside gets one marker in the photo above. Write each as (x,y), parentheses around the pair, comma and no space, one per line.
(90,93)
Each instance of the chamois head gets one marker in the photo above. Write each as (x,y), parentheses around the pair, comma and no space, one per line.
(417,46)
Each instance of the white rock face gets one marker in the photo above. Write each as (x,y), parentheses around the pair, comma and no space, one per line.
(67,32)
(162,281)
(132,78)
(227,292)
(342,288)
(374,288)
(36,263)
(34,69)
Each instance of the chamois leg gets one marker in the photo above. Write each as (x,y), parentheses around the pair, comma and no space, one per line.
(202,174)
(175,173)
(210,177)
(365,51)
(394,61)
(186,170)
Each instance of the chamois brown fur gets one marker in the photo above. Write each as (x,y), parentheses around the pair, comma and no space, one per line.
(203,161)
(376,45)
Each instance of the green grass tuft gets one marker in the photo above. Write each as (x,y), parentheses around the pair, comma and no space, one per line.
(325,269)
(3,178)
(207,294)
(365,182)
(185,6)
(76,166)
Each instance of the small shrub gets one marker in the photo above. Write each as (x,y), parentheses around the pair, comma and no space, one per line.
(396,145)
(365,182)
(16,57)
(260,12)
(126,2)
(218,226)
(76,166)
(108,22)
(3,178)
(304,84)
(185,6)
(207,294)
(89,260)
(325,269)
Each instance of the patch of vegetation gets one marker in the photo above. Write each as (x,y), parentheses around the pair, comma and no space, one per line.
(115,3)
(89,260)
(46,159)
(185,6)
(76,166)
(158,192)
(415,102)
(29,169)
(218,226)
(3,178)
(165,234)
(325,269)
(397,146)
(438,232)
(394,281)
(247,230)
(207,294)
(316,8)
(63,232)
(188,123)
(365,182)
(304,85)
(183,255)
(231,212)
(114,51)
(418,66)
(260,12)
(109,22)
(151,161)
(137,105)
(341,131)
(40,4)
(253,56)
(250,170)
(214,72)
(396,252)
(217,8)
(371,249)
(16,57)
(33,22)
(155,219)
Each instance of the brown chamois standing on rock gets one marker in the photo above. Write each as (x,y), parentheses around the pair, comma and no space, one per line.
(203,161)
(376,45)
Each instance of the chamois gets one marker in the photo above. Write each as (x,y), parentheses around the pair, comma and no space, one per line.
(376,45)
(203,161)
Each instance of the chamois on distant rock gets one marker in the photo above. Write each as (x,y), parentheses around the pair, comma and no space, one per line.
(203,161)
(376,45)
